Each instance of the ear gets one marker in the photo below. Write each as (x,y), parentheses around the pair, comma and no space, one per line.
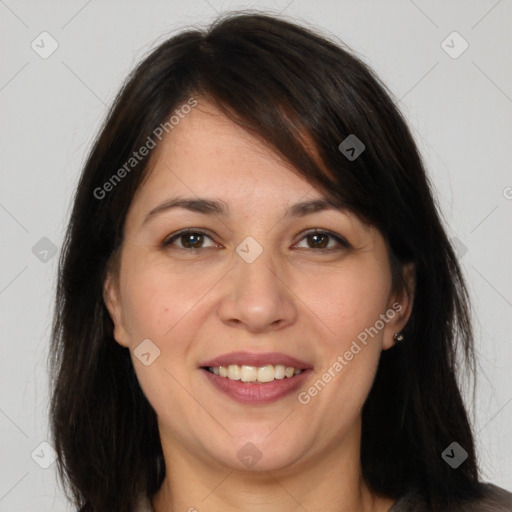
(400,306)
(111,297)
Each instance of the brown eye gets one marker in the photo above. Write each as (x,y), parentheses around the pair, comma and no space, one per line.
(188,239)
(318,241)
(321,240)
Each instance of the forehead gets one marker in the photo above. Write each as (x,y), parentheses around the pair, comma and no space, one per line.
(209,164)
(208,154)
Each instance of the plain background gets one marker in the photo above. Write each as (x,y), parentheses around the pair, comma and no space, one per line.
(460,111)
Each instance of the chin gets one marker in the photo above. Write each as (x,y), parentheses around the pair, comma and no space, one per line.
(256,454)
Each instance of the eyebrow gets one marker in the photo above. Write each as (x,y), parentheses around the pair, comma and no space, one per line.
(217,207)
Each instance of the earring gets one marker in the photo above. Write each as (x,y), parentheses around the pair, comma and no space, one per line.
(398,337)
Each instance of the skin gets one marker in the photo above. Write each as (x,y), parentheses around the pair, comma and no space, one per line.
(296,298)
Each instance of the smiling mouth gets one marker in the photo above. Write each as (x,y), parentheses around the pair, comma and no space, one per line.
(260,374)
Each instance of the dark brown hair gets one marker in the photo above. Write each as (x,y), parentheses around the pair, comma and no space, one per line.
(295,90)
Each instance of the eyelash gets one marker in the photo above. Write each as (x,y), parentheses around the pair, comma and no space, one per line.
(190,231)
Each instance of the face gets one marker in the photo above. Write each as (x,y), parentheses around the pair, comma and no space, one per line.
(258,284)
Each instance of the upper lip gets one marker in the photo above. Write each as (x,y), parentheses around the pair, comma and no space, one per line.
(256,359)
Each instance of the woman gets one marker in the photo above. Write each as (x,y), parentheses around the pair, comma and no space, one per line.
(258,307)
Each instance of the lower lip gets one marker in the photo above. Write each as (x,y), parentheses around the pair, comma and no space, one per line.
(257,392)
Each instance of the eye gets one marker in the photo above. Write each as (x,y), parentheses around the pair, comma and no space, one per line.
(189,239)
(195,239)
(317,239)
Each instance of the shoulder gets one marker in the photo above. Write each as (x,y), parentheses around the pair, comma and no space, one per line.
(493,499)
(144,505)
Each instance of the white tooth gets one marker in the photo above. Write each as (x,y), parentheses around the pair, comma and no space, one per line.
(234,372)
(248,373)
(279,371)
(266,373)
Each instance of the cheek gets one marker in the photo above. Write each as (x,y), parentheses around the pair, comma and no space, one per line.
(147,307)
(350,300)
(161,306)
(155,299)
(349,303)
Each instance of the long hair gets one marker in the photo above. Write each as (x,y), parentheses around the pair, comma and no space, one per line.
(302,94)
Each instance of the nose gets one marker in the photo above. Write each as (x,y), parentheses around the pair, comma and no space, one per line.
(258,296)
